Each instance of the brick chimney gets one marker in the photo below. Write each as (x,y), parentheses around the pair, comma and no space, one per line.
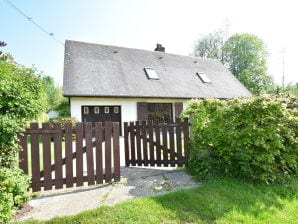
(160,48)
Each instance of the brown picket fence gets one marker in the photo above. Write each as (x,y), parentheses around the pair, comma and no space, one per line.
(69,156)
(152,143)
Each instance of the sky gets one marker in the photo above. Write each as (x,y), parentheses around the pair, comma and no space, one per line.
(142,23)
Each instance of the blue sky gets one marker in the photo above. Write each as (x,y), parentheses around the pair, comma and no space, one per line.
(142,24)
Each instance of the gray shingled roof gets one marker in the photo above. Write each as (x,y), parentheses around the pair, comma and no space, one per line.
(109,71)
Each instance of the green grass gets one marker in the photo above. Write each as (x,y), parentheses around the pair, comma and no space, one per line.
(221,200)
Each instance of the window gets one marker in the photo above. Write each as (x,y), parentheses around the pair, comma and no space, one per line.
(96,110)
(151,73)
(161,112)
(116,110)
(86,110)
(107,110)
(203,77)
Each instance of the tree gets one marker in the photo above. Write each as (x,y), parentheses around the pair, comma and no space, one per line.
(53,94)
(244,54)
(246,57)
(210,46)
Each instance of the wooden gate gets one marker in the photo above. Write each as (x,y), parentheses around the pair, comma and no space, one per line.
(55,156)
(148,143)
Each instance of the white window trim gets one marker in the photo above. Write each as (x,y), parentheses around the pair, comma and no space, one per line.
(86,110)
(96,110)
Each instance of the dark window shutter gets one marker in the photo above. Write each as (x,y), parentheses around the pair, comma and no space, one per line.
(178,109)
(142,111)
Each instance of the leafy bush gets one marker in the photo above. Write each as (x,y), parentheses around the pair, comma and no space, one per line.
(64,120)
(249,138)
(14,187)
(21,100)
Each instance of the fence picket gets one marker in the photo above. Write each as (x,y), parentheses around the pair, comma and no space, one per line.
(165,145)
(172,145)
(116,151)
(138,142)
(157,139)
(151,146)
(144,137)
(47,157)
(126,142)
(79,154)
(89,153)
(35,160)
(108,166)
(132,144)
(98,154)
(23,153)
(179,145)
(58,157)
(68,155)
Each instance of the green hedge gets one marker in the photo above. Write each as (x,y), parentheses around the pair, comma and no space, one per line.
(253,138)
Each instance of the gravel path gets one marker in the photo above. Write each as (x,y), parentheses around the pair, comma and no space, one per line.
(135,182)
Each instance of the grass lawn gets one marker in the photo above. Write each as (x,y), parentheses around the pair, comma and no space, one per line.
(221,200)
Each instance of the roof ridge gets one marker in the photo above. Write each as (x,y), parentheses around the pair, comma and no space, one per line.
(138,49)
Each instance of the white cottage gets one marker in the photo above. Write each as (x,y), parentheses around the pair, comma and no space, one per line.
(109,83)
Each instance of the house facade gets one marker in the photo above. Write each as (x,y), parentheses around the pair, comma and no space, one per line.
(109,83)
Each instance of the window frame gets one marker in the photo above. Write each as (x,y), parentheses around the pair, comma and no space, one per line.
(204,78)
(151,73)
(85,110)
(107,110)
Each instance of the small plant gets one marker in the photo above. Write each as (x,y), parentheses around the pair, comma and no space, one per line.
(14,193)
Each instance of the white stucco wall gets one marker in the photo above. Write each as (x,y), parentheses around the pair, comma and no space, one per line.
(128,105)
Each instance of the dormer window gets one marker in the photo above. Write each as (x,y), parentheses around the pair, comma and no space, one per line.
(203,77)
(151,73)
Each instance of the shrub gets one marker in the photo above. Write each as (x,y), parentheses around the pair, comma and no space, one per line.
(14,187)
(64,120)
(253,138)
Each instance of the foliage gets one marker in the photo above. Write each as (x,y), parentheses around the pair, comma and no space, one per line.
(210,46)
(244,54)
(222,200)
(250,138)
(63,108)
(54,97)
(2,44)
(64,120)
(290,89)
(21,99)
(14,187)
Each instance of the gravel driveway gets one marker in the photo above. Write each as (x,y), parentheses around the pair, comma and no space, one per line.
(135,182)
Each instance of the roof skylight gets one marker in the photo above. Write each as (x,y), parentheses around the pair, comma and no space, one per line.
(151,73)
(203,77)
